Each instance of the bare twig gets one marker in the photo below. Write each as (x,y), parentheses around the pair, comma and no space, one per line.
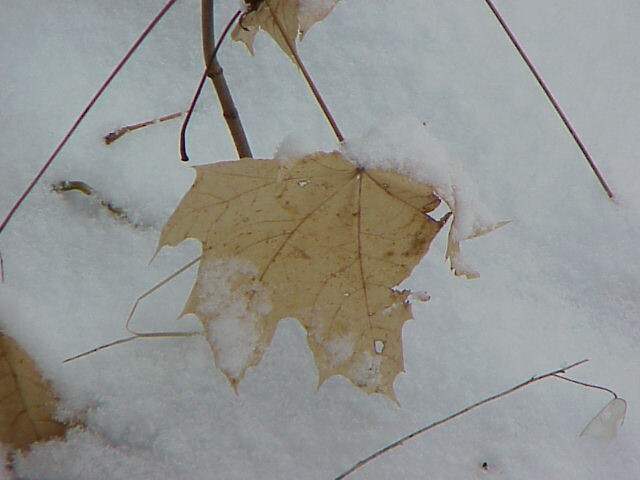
(183,131)
(111,137)
(158,285)
(139,335)
(433,425)
(307,77)
(216,74)
(84,112)
(588,385)
(551,98)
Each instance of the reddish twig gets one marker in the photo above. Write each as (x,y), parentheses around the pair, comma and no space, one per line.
(84,112)
(588,385)
(183,131)
(551,98)
(305,73)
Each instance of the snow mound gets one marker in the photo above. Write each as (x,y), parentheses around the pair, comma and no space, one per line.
(407,146)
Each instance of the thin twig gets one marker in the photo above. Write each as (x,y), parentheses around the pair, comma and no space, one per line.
(131,338)
(84,112)
(154,288)
(216,74)
(183,131)
(138,335)
(307,76)
(111,137)
(433,425)
(588,385)
(551,98)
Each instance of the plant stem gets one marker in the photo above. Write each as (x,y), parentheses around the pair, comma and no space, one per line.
(215,73)
(307,76)
(551,98)
(84,112)
(111,137)
(433,425)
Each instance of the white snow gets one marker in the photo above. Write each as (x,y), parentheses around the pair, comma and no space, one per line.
(406,145)
(366,369)
(230,303)
(560,283)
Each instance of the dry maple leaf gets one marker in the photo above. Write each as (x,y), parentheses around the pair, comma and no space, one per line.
(26,399)
(284,20)
(316,238)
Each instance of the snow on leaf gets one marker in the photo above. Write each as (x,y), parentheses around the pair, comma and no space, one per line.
(291,17)
(413,144)
(26,400)
(316,238)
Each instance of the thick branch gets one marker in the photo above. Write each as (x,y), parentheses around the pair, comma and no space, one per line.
(215,73)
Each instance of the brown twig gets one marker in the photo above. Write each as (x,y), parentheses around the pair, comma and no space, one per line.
(216,74)
(433,425)
(307,76)
(77,186)
(550,97)
(183,131)
(111,137)
(84,112)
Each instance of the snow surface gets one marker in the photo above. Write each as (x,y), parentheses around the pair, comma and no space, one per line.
(560,283)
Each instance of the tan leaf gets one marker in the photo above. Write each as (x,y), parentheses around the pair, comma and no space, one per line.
(26,399)
(316,238)
(282,19)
